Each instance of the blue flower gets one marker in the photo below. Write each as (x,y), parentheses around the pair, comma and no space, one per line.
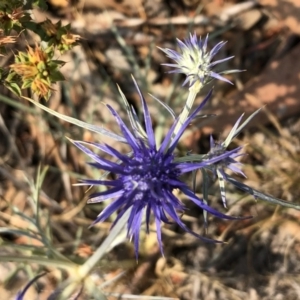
(145,180)
(195,61)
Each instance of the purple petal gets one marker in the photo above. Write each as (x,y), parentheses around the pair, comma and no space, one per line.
(167,138)
(127,134)
(188,167)
(216,49)
(101,163)
(181,44)
(187,79)
(236,170)
(163,216)
(21,294)
(172,213)
(110,209)
(113,152)
(219,61)
(218,76)
(209,209)
(177,204)
(204,47)
(109,150)
(108,194)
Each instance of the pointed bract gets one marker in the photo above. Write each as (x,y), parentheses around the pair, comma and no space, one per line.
(217,149)
(195,61)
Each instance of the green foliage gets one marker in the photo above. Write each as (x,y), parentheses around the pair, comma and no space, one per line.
(58,35)
(13,17)
(35,69)
(39,3)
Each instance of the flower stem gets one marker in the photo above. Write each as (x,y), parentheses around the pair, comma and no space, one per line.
(187,108)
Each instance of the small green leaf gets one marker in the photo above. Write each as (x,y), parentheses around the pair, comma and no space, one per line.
(40,4)
(10,77)
(14,87)
(58,62)
(41,66)
(26,84)
(56,76)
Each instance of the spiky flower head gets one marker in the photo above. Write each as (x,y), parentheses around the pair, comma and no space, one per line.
(195,61)
(145,179)
(37,70)
(218,148)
